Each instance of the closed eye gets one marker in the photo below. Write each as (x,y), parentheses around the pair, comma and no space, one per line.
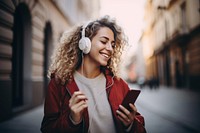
(104,42)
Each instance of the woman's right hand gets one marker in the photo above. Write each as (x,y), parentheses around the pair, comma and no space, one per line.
(77,104)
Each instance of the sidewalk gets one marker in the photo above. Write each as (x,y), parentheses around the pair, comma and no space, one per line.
(179,107)
(28,122)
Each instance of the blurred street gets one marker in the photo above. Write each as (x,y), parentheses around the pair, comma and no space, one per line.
(169,110)
(166,110)
(163,50)
(28,122)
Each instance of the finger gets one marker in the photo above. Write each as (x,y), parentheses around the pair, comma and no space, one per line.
(126,111)
(133,107)
(80,97)
(71,101)
(126,122)
(133,112)
(80,103)
(123,116)
(76,97)
(76,93)
(79,106)
(130,115)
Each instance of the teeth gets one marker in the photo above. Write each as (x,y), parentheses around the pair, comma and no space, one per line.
(105,55)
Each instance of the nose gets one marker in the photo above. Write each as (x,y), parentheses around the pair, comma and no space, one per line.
(109,47)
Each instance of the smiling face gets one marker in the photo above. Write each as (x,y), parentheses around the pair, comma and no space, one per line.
(102,47)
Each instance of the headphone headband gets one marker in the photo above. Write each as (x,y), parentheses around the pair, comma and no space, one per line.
(84,27)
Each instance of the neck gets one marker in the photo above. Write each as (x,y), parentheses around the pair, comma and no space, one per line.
(89,70)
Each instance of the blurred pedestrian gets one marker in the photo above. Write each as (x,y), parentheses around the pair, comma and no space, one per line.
(85,91)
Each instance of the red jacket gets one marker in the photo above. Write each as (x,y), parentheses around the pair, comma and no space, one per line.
(56,109)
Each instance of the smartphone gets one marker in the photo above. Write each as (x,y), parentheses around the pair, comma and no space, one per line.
(130,97)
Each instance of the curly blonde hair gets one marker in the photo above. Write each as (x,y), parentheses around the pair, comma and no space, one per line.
(67,56)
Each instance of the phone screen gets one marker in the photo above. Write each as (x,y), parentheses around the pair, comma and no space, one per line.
(130,97)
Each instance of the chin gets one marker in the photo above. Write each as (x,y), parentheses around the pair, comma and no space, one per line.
(104,63)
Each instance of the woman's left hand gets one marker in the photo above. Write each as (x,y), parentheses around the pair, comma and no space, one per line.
(125,116)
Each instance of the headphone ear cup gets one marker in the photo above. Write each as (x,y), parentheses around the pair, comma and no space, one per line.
(85,45)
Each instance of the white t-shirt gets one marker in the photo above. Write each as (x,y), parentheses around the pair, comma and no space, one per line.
(100,115)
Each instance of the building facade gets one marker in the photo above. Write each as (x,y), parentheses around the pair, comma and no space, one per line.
(29,30)
(171,42)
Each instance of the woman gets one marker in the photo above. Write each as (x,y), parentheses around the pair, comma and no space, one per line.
(85,92)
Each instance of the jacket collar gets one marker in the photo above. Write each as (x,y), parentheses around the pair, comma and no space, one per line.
(72,86)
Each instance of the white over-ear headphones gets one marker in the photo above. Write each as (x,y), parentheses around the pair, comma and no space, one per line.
(84,42)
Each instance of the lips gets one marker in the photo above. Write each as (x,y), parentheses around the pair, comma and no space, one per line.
(105,55)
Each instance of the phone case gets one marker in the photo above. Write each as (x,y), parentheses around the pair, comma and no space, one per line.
(130,97)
